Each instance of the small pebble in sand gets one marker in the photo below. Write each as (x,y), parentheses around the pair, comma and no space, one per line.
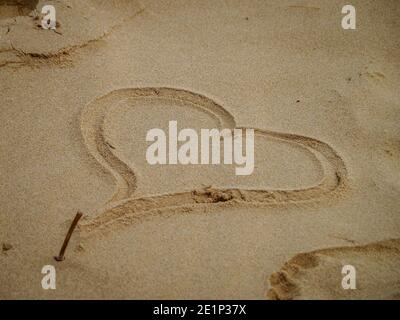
(6,247)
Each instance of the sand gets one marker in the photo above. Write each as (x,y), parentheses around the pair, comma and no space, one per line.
(76,103)
(314,275)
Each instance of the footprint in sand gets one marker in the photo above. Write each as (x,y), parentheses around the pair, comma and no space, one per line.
(288,167)
(317,274)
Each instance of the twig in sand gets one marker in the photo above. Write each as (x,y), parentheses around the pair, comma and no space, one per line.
(60,256)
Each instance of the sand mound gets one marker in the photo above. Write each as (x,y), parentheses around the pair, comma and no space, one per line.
(79,23)
(317,274)
(16,8)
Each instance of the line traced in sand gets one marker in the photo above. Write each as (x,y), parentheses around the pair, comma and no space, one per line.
(125,209)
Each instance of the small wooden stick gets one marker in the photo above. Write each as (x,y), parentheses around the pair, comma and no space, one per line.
(60,256)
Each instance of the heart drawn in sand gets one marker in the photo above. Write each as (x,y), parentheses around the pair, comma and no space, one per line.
(289,167)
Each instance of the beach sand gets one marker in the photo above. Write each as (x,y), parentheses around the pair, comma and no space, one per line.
(76,103)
